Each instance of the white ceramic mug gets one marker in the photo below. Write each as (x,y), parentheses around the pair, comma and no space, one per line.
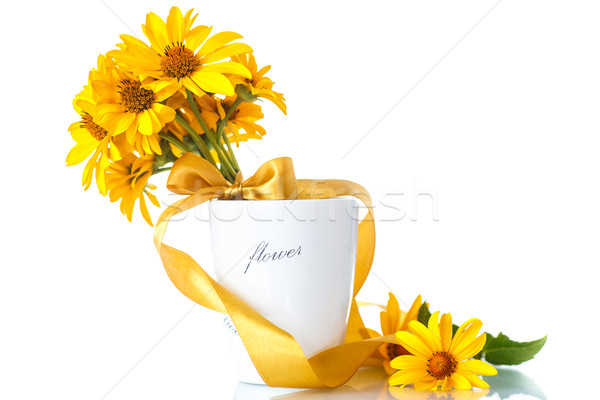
(293,261)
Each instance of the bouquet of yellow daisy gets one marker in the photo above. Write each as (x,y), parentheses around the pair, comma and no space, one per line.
(145,105)
(183,99)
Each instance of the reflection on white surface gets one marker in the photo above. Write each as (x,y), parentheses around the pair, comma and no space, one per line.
(370,384)
(509,382)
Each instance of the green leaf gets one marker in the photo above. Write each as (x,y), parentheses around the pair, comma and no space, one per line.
(501,350)
(424,313)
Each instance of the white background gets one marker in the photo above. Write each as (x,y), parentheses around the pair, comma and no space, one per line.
(490,107)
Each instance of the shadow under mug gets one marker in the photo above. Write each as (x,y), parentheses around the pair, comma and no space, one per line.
(293,261)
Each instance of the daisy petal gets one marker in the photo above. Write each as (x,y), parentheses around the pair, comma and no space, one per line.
(425,335)
(459,382)
(196,36)
(476,381)
(153,140)
(393,312)
(122,123)
(152,198)
(434,328)
(426,384)
(467,330)
(189,83)
(144,210)
(228,67)
(145,126)
(226,52)
(385,323)
(213,82)
(405,362)
(446,385)
(115,154)
(80,152)
(139,48)
(469,349)
(156,31)
(408,376)
(164,113)
(175,27)
(86,179)
(101,181)
(131,131)
(218,40)
(156,124)
(145,145)
(413,344)
(476,367)
(446,331)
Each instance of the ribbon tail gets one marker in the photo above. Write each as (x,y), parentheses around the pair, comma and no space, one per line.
(328,188)
(356,330)
(340,363)
(185,273)
(277,356)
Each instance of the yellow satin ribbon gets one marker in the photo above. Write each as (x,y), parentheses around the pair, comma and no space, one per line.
(275,353)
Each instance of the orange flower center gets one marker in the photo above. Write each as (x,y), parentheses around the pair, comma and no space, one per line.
(442,365)
(134,98)
(395,350)
(94,129)
(178,62)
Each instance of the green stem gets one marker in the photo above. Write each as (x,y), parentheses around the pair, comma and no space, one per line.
(196,138)
(159,170)
(223,158)
(233,159)
(230,111)
(221,129)
(196,111)
(174,141)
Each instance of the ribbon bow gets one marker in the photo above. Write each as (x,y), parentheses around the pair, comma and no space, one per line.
(192,174)
(275,353)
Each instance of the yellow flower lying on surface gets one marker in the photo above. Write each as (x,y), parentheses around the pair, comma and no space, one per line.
(127,180)
(392,321)
(438,357)
(183,56)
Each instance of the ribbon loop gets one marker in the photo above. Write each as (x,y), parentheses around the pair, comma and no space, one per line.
(191,173)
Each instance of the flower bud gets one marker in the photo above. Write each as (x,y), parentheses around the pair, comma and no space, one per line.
(245,93)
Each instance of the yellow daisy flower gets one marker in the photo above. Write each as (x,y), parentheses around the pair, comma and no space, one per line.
(392,321)
(127,180)
(241,124)
(91,139)
(440,359)
(125,105)
(184,56)
(258,85)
